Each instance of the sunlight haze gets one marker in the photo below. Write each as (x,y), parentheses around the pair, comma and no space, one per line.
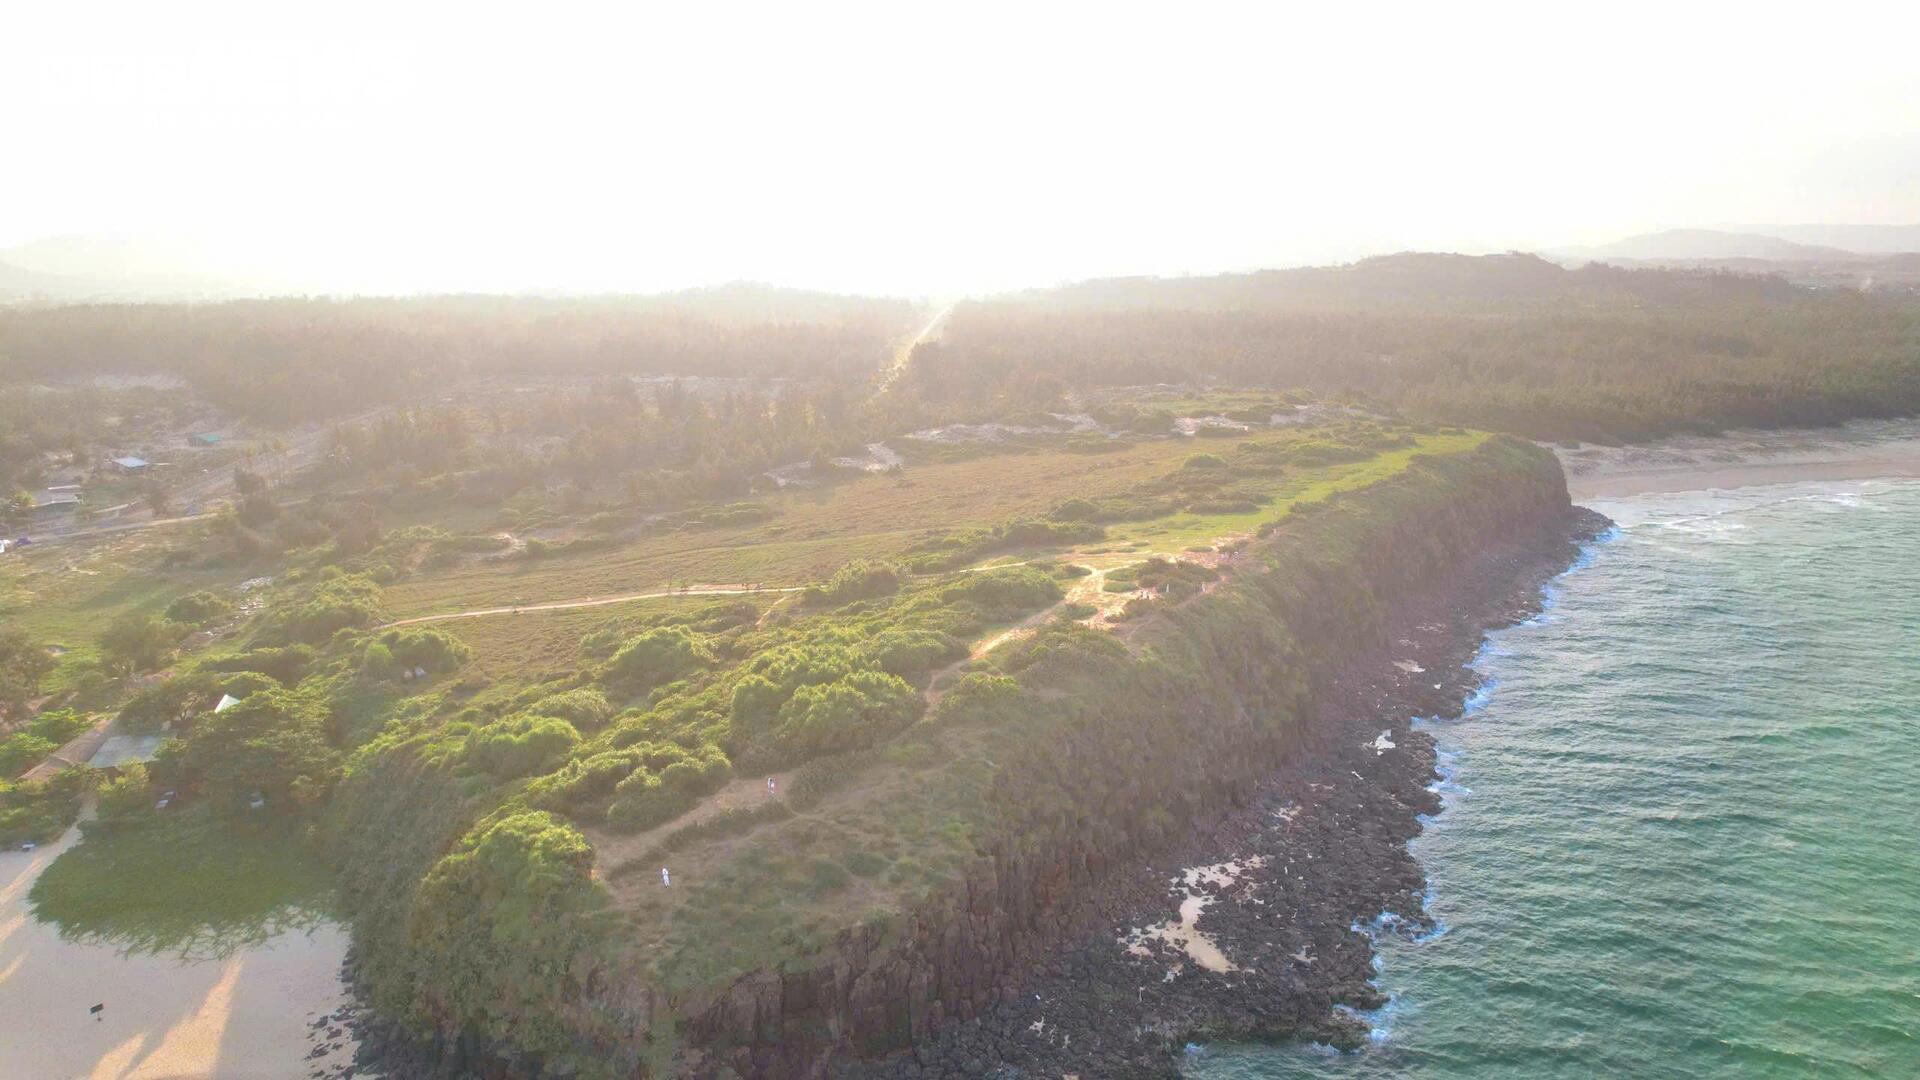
(929,149)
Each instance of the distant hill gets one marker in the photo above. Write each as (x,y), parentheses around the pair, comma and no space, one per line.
(1708,244)
(1880,258)
(1864,239)
(86,267)
(20,284)
(1406,280)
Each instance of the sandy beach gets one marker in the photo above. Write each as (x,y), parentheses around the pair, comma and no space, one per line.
(1863,450)
(241,1016)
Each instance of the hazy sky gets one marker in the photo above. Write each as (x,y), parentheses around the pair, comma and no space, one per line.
(927,148)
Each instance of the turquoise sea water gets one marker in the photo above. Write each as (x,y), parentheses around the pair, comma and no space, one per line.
(1682,834)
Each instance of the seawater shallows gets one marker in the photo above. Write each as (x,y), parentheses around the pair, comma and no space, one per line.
(1682,834)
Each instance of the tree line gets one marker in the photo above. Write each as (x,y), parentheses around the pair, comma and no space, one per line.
(1511,343)
(290,360)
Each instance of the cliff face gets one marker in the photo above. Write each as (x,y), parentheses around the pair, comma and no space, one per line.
(1130,749)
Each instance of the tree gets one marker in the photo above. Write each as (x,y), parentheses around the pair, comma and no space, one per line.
(17,508)
(126,795)
(137,642)
(158,501)
(256,507)
(248,483)
(502,920)
(22,664)
(273,742)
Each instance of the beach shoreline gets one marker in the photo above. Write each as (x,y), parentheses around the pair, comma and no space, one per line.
(1863,450)
(1626,484)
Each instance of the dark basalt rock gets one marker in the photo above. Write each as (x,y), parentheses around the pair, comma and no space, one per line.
(1331,829)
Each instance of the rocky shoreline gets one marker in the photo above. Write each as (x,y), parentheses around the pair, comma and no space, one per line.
(1256,928)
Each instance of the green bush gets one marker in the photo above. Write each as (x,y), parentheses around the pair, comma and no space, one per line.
(1004,594)
(424,647)
(911,653)
(979,698)
(376,659)
(583,780)
(498,925)
(859,580)
(239,685)
(198,609)
(858,710)
(289,664)
(127,796)
(138,642)
(586,708)
(658,656)
(22,751)
(672,780)
(170,702)
(337,602)
(1075,510)
(520,745)
(754,708)
(40,811)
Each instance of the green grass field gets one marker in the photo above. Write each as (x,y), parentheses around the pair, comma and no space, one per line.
(878,517)
(64,594)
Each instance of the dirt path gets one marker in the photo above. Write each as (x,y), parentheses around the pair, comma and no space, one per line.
(597,601)
(601,601)
(1085,590)
(613,851)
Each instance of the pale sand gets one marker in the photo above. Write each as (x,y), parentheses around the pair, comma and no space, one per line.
(1864,450)
(1752,474)
(244,1016)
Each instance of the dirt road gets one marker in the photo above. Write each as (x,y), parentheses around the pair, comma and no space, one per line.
(597,601)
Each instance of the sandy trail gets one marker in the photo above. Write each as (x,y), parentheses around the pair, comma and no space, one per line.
(626,598)
(597,601)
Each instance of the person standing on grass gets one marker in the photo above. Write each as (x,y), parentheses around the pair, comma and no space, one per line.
(769,785)
(665,878)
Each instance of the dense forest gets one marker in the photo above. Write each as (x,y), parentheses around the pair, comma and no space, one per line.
(284,361)
(644,402)
(635,396)
(1512,343)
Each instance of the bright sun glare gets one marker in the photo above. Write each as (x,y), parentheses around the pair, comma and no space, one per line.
(931,149)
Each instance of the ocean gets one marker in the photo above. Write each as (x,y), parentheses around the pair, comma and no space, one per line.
(1682,823)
